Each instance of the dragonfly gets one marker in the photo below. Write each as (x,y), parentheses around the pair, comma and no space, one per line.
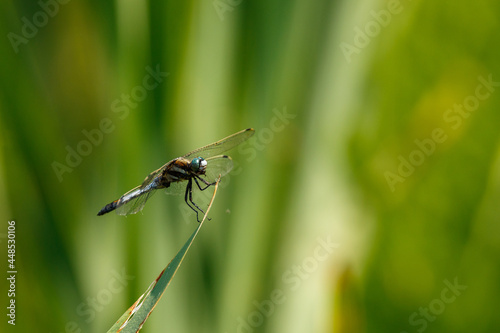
(201,166)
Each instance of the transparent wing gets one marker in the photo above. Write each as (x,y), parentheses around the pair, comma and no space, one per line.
(176,188)
(149,180)
(222,145)
(217,165)
(133,201)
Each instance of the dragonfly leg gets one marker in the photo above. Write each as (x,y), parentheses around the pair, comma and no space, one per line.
(188,191)
(189,194)
(204,181)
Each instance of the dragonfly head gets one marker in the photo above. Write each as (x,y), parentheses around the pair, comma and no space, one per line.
(198,165)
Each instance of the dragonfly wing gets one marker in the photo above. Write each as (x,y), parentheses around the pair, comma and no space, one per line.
(149,180)
(222,145)
(218,165)
(176,188)
(133,201)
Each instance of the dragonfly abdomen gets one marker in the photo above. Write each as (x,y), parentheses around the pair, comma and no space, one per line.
(108,208)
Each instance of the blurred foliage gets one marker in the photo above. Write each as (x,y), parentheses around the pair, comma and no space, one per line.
(346,99)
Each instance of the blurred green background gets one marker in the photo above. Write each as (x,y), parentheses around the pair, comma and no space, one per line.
(367,201)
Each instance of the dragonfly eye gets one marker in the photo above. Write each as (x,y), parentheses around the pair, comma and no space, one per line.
(198,164)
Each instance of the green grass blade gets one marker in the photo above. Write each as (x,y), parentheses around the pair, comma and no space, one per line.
(133,319)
